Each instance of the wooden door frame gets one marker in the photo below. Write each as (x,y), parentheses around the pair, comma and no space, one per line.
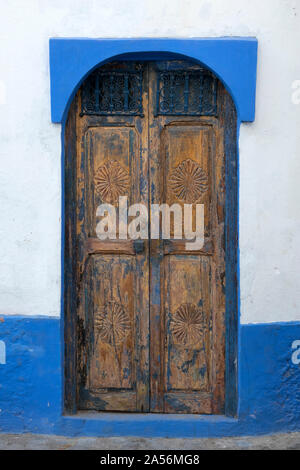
(231,126)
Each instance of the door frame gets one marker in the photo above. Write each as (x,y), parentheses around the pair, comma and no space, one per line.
(244,105)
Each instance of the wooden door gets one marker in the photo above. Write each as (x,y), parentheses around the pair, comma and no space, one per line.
(150,332)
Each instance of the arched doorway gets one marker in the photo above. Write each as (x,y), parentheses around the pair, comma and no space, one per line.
(148,324)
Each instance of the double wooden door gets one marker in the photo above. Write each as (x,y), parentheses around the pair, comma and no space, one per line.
(150,333)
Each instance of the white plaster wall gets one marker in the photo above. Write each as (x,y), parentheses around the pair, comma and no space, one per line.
(30,145)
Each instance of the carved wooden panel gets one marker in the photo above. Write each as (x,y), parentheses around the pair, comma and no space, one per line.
(187,326)
(186,153)
(114,315)
(112,152)
(188,181)
(111,181)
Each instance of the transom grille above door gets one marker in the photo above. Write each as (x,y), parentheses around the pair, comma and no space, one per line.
(186,93)
(178,93)
(113,93)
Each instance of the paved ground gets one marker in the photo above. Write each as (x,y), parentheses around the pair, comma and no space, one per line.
(35,442)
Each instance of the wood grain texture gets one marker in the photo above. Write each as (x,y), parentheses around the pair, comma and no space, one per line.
(71,338)
(94,246)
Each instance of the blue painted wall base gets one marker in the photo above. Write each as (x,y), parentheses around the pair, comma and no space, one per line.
(31,387)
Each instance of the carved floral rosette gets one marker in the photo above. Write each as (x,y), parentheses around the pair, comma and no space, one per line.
(112,324)
(188,181)
(111,181)
(187,325)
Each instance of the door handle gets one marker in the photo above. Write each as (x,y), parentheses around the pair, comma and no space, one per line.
(138,246)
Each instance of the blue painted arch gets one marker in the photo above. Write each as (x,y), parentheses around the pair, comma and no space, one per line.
(232,60)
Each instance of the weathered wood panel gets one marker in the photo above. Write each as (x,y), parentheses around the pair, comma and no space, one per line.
(187,323)
(114,316)
(187,166)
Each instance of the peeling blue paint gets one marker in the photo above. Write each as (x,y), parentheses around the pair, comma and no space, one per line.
(31,388)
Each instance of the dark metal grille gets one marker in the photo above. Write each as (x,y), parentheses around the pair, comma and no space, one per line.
(113,93)
(186,93)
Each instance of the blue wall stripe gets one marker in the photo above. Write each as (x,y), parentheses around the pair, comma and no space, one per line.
(31,387)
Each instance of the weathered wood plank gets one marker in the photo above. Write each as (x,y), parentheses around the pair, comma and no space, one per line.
(178,247)
(94,246)
(191,403)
